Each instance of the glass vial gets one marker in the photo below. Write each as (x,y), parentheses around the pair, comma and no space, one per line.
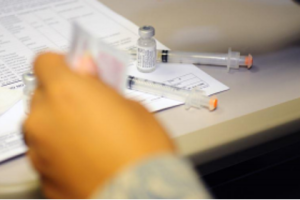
(30,85)
(146,50)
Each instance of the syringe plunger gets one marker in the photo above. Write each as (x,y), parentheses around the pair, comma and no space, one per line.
(198,99)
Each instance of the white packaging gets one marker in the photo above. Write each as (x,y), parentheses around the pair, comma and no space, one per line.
(108,63)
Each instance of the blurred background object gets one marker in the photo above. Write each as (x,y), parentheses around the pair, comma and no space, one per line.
(255,26)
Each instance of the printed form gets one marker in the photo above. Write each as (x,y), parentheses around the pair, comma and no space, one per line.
(29,27)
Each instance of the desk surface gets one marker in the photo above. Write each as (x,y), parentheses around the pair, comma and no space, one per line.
(260,103)
(258,100)
(246,111)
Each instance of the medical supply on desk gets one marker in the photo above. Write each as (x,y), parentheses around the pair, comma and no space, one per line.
(233,60)
(146,50)
(30,85)
(88,54)
(192,98)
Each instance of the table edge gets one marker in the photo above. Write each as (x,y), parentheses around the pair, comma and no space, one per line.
(240,133)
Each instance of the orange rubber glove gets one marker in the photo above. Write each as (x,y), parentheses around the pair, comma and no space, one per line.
(80,132)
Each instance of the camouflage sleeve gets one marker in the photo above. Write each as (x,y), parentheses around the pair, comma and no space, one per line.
(164,176)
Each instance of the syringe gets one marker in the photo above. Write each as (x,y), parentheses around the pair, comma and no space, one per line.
(192,98)
(232,60)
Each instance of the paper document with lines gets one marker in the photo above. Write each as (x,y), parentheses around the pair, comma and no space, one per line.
(28,27)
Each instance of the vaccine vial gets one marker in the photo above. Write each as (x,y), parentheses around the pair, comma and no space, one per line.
(146,50)
(30,85)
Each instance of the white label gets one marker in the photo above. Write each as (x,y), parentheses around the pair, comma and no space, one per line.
(146,58)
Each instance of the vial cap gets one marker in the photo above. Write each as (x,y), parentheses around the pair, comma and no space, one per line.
(29,79)
(146,31)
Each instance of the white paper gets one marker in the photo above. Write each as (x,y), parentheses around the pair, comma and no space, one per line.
(28,27)
(8,98)
(11,143)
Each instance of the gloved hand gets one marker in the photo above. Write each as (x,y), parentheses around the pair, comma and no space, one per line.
(80,132)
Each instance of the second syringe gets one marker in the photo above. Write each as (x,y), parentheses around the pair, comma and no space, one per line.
(233,59)
(192,98)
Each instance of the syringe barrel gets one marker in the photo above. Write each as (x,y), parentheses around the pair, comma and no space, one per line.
(233,58)
(196,58)
(158,89)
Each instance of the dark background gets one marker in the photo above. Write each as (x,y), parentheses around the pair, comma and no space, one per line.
(270,170)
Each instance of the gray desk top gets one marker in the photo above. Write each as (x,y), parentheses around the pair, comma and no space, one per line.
(207,25)
(261,99)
